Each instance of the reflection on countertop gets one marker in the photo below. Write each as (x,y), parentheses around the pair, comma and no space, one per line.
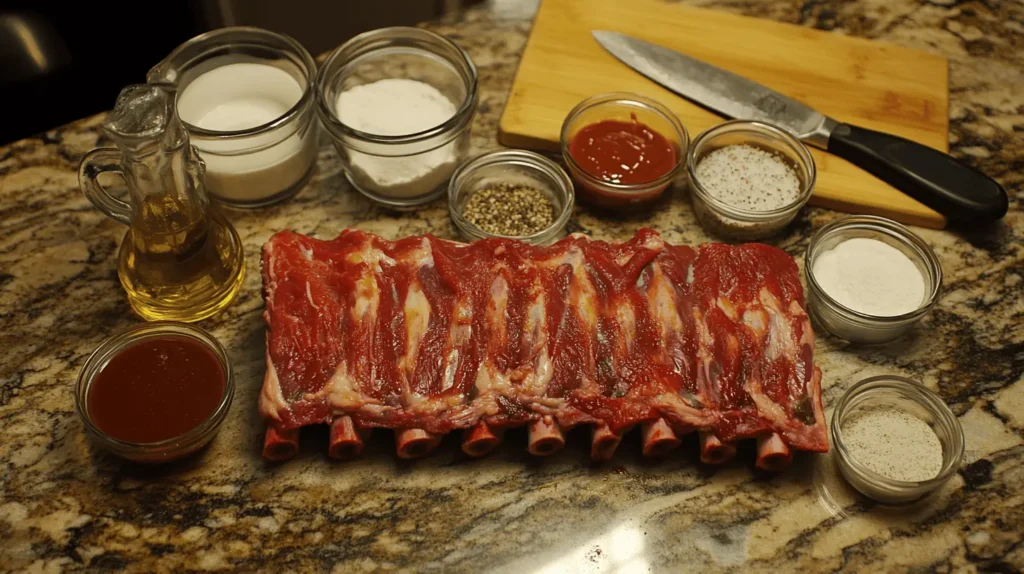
(65,505)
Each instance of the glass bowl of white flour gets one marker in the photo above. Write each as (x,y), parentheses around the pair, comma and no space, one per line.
(398,103)
(870,279)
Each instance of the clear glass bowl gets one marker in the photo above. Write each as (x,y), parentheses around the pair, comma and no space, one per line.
(853,325)
(407,53)
(513,167)
(909,395)
(260,165)
(623,106)
(732,222)
(166,450)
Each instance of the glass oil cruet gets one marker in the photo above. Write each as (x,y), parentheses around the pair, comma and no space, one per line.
(180,259)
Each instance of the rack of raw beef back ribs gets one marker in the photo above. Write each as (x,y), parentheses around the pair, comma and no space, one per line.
(426,336)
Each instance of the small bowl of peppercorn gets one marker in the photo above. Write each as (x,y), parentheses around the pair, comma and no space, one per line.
(511,194)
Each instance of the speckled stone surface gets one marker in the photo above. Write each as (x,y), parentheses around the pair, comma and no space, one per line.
(65,505)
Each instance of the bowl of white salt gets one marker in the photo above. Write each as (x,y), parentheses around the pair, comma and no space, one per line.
(398,103)
(870,279)
(894,440)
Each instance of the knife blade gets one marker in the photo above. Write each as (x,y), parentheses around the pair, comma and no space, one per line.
(961,193)
(722,91)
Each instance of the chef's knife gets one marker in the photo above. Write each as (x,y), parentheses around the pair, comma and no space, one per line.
(962,194)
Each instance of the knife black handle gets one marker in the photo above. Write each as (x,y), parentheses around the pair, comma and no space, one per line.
(963,194)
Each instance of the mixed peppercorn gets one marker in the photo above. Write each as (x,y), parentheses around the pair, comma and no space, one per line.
(510,209)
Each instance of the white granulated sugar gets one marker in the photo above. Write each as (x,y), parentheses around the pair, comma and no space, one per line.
(238,96)
(870,276)
(748,178)
(398,107)
(894,443)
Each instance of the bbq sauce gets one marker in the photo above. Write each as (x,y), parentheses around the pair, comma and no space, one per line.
(623,152)
(156,389)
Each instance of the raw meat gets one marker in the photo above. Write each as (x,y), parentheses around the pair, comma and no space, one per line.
(426,336)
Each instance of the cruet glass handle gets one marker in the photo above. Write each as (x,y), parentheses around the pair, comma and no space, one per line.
(94,163)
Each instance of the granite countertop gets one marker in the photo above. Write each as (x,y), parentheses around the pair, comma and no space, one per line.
(66,505)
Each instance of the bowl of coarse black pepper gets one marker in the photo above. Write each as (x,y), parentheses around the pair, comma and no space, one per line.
(511,194)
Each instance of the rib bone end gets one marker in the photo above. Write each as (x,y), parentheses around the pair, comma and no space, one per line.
(480,440)
(280,445)
(658,438)
(545,437)
(414,443)
(714,451)
(347,440)
(773,454)
(604,443)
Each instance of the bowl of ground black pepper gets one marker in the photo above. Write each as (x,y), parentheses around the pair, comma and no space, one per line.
(512,194)
(748,179)
(895,440)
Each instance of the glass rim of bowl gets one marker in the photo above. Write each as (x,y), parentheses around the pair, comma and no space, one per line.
(305,101)
(364,44)
(893,229)
(513,157)
(921,395)
(747,215)
(634,99)
(116,343)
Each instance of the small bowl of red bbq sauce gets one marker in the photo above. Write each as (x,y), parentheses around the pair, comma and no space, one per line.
(623,150)
(156,392)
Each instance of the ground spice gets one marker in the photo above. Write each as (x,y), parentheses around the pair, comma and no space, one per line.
(748,178)
(510,209)
(894,443)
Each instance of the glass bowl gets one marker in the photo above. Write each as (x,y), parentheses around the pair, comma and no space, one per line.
(255,166)
(853,325)
(512,167)
(371,161)
(912,397)
(172,448)
(623,106)
(737,223)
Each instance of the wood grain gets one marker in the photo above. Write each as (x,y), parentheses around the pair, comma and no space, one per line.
(871,84)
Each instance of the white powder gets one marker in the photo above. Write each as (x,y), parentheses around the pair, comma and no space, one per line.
(243,96)
(870,276)
(398,107)
(894,443)
(238,97)
(748,178)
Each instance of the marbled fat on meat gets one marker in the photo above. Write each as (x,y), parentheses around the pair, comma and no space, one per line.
(426,336)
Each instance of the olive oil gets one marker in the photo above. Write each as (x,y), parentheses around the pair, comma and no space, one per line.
(180,260)
(185,275)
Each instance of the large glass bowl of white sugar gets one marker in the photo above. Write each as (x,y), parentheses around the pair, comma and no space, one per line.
(870,279)
(246,96)
(398,103)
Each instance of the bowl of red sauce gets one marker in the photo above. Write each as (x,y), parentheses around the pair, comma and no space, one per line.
(623,150)
(156,392)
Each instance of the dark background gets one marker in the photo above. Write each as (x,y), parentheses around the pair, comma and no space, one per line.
(61,61)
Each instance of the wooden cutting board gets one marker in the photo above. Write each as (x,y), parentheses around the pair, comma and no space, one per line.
(871,84)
